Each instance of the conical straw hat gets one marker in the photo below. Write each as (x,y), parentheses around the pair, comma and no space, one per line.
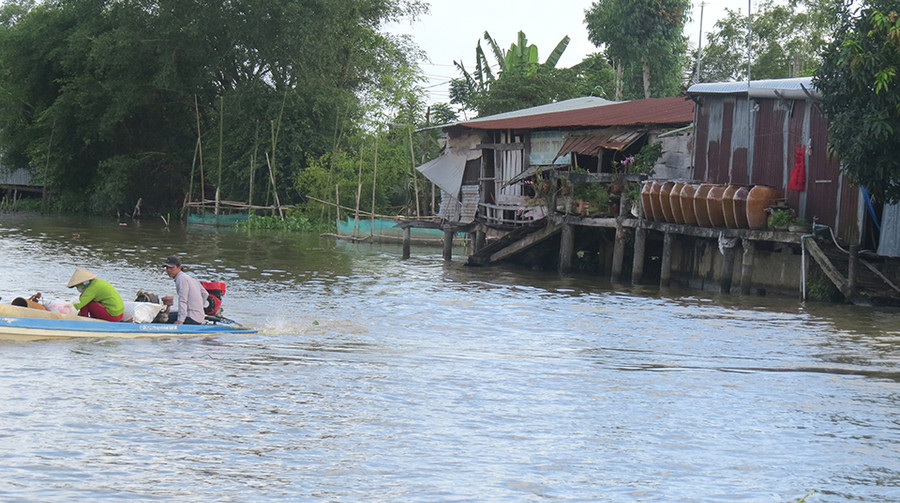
(80,276)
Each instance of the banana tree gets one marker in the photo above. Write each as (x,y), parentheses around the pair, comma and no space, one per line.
(522,54)
(482,77)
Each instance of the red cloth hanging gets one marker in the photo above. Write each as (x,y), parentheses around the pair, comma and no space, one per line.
(798,175)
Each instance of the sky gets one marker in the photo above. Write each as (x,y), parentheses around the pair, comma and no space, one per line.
(453,27)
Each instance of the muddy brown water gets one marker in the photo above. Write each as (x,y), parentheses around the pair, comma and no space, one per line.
(378,379)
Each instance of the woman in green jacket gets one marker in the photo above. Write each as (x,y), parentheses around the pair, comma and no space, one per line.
(98,298)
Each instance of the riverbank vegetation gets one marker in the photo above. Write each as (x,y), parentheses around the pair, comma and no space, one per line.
(317,106)
(107,102)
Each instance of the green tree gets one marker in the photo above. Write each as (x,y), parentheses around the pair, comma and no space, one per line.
(518,88)
(861,96)
(103,95)
(441,113)
(785,41)
(643,38)
(594,76)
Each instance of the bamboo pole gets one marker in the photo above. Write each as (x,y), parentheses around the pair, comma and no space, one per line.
(274,189)
(221,135)
(358,194)
(374,177)
(187,201)
(337,197)
(413,165)
(200,148)
(46,170)
(349,209)
(253,163)
(275,129)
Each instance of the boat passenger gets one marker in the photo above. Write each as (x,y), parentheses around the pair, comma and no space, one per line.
(98,298)
(192,296)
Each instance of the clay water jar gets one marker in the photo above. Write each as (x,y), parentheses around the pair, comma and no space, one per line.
(675,202)
(645,200)
(760,198)
(714,207)
(740,207)
(655,204)
(728,206)
(700,210)
(687,203)
(664,202)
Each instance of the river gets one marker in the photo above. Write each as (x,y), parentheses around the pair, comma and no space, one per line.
(379,379)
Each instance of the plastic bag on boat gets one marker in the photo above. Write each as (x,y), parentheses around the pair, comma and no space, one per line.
(141,312)
(62,307)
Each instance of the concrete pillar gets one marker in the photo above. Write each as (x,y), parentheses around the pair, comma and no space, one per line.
(749,248)
(566,248)
(480,240)
(640,248)
(618,260)
(448,243)
(727,270)
(665,275)
(407,239)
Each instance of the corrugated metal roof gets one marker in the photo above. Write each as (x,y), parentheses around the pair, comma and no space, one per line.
(659,111)
(795,88)
(560,106)
(591,144)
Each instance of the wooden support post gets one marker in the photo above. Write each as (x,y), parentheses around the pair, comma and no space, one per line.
(852,269)
(640,248)
(727,270)
(749,248)
(448,243)
(665,274)
(618,259)
(566,247)
(407,238)
(480,240)
(471,243)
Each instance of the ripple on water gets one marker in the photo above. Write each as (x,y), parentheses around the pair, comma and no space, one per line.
(376,379)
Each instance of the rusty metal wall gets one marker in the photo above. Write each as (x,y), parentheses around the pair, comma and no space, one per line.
(797,136)
(701,139)
(740,141)
(779,127)
(769,149)
(718,147)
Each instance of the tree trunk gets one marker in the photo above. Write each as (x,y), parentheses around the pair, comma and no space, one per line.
(646,67)
(620,71)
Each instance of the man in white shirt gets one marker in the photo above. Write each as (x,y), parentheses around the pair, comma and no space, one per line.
(191,294)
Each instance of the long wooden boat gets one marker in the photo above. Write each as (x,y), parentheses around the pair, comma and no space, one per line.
(220,220)
(385,230)
(26,324)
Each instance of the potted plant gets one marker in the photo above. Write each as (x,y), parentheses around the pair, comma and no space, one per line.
(780,219)
(592,198)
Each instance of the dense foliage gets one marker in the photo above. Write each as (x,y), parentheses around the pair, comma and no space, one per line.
(644,39)
(786,40)
(109,101)
(113,101)
(861,96)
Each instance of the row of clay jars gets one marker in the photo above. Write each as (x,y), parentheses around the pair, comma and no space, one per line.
(707,204)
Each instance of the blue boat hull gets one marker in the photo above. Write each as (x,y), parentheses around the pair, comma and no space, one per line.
(18,323)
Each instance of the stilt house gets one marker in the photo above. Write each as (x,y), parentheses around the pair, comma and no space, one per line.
(485,157)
